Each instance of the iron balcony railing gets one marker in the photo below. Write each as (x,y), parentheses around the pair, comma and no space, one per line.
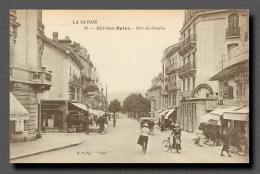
(188,66)
(76,81)
(191,39)
(233,32)
(171,68)
(172,86)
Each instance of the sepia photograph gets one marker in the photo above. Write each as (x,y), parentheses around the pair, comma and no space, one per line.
(129,86)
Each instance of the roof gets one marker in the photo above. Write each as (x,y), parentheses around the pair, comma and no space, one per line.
(67,51)
(244,65)
(172,50)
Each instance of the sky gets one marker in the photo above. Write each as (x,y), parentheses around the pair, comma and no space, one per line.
(126,60)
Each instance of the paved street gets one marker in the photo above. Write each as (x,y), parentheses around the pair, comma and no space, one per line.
(119,145)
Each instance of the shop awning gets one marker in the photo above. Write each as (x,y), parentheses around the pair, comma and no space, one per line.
(95,112)
(239,114)
(163,113)
(101,113)
(220,110)
(81,106)
(169,113)
(17,111)
(209,116)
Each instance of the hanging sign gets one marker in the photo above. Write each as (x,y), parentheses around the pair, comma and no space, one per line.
(242,77)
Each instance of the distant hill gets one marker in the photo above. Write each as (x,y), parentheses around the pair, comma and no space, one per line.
(122,95)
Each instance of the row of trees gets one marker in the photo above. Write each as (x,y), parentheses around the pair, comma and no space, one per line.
(135,105)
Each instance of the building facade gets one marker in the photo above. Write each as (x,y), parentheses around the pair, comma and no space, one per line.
(28,77)
(154,95)
(205,37)
(60,58)
(233,79)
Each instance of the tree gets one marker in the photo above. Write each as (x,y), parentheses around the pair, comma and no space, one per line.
(136,105)
(114,106)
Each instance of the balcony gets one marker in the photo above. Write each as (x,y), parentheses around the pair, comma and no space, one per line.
(164,92)
(75,81)
(191,39)
(188,43)
(171,68)
(187,69)
(233,32)
(172,86)
(90,88)
(41,80)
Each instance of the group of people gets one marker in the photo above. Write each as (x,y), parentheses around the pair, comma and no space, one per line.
(144,135)
(176,134)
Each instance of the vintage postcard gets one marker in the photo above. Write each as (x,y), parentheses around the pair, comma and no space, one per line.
(129,86)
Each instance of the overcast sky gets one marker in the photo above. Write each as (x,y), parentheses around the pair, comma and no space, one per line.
(125,60)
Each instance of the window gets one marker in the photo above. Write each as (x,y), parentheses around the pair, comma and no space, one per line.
(174,100)
(188,84)
(233,25)
(193,83)
(233,21)
(183,84)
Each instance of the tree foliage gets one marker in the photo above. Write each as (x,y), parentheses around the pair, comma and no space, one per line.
(136,104)
(114,106)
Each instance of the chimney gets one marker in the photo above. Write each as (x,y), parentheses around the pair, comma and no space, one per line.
(55,36)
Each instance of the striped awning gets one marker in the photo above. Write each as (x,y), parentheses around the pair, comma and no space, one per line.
(17,111)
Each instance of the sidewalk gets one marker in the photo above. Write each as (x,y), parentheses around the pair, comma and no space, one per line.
(44,144)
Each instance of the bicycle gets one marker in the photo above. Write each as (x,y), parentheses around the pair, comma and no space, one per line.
(168,145)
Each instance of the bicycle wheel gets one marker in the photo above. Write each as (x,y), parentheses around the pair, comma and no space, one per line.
(143,147)
(166,145)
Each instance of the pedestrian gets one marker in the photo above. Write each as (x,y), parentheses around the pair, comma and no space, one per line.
(87,126)
(226,145)
(199,137)
(143,138)
(114,121)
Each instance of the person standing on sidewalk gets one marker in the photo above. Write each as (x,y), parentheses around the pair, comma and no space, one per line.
(226,145)
(114,121)
(87,126)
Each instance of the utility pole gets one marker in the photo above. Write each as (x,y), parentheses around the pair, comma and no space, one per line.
(106,97)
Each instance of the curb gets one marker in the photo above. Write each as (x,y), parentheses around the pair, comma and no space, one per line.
(44,151)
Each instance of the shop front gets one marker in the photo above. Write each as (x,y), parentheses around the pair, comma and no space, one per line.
(18,115)
(238,128)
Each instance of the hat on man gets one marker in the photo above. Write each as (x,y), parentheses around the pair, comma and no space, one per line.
(146,125)
(177,125)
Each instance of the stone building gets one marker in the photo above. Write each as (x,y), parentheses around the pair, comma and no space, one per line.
(205,36)
(233,78)
(28,77)
(59,102)
(154,95)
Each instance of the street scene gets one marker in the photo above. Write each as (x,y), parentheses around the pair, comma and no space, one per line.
(108,150)
(129,86)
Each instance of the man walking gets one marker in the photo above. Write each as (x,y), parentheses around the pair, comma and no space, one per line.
(225,143)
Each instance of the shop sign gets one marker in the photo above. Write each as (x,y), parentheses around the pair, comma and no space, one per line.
(242,77)
(19,117)
(228,92)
